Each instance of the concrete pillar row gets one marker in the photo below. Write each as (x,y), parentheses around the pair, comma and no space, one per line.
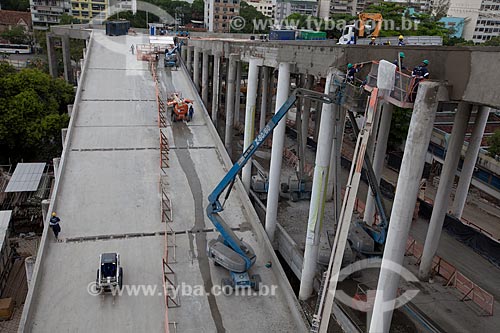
(442,199)
(230,77)
(470,161)
(378,159)
(251,103)
(283,90)
(216,88)
(204,79)
(237,96)
(417,142)
(196,69)
(317,203)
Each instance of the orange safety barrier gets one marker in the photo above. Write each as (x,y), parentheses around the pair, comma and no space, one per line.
(454,278)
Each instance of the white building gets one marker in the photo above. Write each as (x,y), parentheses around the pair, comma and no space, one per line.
(219,13)
(482,18)
(266,7)
(47,12)
(287,7)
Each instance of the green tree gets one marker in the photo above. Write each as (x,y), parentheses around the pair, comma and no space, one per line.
(20,5)
(399,127)
(250,14)
(16,35)
(494,143)
(32,113)
(198,10)
(495,41)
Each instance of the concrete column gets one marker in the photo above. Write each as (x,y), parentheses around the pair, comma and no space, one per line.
(216,88)
(317,204)
(51,54)
(70,109)
(196,69)
(378,159)
(64,131)
(251,103)
(263,102)
(336,165)
(68,69)
(204,79)
(417,142)
(56,161)
(231,73)
(470,161)
(283,91)
(189,59)
(45,209)
(442,199)
(184,53)
(237,96)
(304,124)
(317,122)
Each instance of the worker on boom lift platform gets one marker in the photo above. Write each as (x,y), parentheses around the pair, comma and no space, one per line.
(418,74)
(400,59)
(351,71)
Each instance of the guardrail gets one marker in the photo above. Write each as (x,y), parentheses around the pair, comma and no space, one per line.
(469,290)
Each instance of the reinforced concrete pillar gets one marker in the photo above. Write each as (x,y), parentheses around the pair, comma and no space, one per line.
(442,199)
(216,88)
(318,195)
(196,70)
(68,69)
(378,159)
(317,122)
(417,142)
(204,79)
(56,161)
(273,194)
(70,109)
(45,209)
(51,54)
(189,59)
(64,131)
(237,96)
(184,53)
(263,102)
(231,73)
(251,103)
(470,161)
(304,123)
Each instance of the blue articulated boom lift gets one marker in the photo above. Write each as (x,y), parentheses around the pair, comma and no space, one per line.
(171,56)
(228,250)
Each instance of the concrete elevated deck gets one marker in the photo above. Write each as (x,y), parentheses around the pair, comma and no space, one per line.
(108,188)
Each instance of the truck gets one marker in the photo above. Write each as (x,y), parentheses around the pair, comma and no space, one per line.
(228,250)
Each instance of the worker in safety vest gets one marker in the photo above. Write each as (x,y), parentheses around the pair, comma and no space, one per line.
(421,72)
(400,59)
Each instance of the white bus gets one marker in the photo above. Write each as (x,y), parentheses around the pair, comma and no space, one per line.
(15,48)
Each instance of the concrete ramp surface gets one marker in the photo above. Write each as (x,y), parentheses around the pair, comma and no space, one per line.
(108,200)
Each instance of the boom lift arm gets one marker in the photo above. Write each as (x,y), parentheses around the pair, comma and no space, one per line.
(228,241)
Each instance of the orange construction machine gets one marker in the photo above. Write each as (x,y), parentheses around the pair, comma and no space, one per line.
(179,108)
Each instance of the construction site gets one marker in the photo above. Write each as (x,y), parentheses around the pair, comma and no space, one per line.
(219,183)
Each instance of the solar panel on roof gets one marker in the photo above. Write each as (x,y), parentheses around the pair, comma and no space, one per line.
(26,177)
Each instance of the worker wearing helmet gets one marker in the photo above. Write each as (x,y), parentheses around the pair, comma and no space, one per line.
(351,71)
(399,61)
(373,41)
(401,41)
(54,224)
(421,72)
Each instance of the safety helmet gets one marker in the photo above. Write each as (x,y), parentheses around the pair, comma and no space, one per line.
(401,37)
(349,66)
(401,54)
(426,62)
(54,214)
(373,37)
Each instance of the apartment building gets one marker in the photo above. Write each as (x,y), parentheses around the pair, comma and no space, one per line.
(219,13)
(482,18)
(266,7)
(47,12)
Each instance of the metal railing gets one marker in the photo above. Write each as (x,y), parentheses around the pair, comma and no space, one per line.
(404,86)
